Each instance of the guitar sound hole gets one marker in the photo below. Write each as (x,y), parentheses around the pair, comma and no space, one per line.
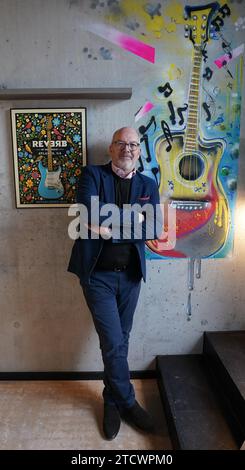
(191,167)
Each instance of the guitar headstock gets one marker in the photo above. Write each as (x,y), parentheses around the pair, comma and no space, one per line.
(49,123)
(199,18)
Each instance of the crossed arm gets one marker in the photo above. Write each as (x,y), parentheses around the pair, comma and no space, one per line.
(88,188)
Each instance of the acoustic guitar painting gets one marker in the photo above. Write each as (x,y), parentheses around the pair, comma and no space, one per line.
(189,179)
(50,186)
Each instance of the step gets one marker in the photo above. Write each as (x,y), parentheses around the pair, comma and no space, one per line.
(224,354)
(195,417)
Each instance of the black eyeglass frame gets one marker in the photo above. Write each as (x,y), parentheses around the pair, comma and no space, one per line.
(121,144)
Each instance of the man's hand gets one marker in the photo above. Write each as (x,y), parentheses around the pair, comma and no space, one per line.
(106,232)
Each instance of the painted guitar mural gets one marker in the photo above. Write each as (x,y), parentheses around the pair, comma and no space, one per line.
(189,178)
(50,186)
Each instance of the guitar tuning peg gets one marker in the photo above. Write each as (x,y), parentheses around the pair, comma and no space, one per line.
(194,17)
(204,25)
(185,17)
(204,17)
(203,36)
(186,35)
(186,27)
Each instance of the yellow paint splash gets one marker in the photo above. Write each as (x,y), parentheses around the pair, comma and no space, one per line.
(158,26)
(136,8)
(174,72)
(175,11)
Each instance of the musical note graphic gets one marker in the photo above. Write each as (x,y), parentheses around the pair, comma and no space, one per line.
(208,73)
(206,109)
(166,89)
(167,134)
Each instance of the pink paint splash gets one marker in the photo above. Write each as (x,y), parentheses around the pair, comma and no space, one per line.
(125,41)
(224,59)
(143,110)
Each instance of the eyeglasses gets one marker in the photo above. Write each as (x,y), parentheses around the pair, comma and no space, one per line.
(121,145)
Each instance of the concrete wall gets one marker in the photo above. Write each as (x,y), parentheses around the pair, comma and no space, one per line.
(45,324)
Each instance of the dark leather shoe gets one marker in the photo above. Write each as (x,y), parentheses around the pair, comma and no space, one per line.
(111,421)
(137,416)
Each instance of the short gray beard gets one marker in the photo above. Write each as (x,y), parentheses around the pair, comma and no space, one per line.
(126,165)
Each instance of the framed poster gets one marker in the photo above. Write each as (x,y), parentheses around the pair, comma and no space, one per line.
(49,147)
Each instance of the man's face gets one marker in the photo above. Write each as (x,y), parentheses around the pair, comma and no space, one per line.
(122,155)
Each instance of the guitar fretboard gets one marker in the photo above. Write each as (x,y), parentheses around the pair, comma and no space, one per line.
(50,158)
(191,133)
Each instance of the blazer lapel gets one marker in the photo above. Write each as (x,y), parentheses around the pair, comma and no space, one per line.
(108,183)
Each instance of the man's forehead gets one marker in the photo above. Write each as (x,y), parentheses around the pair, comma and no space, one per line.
(126,133)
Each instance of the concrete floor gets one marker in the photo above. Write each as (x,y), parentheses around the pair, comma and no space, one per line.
(68,415)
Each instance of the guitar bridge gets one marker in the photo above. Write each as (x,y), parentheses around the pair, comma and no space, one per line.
(190,205)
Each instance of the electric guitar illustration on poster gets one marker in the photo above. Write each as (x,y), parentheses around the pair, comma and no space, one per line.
(189,179)
(50,186)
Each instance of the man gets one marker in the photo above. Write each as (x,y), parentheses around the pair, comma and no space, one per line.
(110,269)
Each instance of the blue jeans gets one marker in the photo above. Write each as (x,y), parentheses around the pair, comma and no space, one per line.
(112,298)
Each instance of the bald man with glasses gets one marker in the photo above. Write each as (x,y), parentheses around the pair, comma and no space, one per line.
(111,268)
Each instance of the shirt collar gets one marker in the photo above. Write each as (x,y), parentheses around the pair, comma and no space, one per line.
(122,173)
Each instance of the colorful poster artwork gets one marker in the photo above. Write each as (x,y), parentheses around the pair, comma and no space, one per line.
(49,148)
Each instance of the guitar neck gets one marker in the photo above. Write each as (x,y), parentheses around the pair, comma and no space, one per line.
(191,133)
(50,159)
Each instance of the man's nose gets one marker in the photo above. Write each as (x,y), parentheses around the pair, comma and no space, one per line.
(127,147)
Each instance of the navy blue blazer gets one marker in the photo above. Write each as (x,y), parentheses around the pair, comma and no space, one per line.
(97,180)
